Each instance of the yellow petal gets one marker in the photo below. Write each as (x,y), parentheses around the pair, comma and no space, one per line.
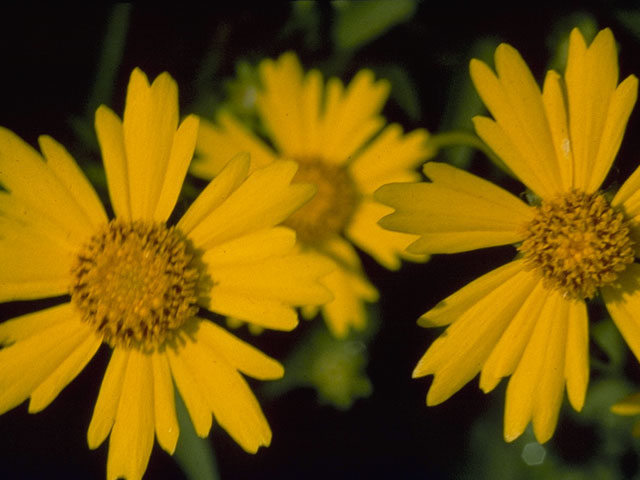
(216,192)
(455,212)
(292,279)
(350,290)
(630,405)
(71,177)
(268,313)
(623,303)
(218,143)
(550,387)
(191,392)
(166,422)
(508,351)
(229,397)
(455,305)
(184,142)
(459,354)
(111,139)
(280,103)
(242,356)
(132,435)
(28,363)
(341,250)
(535,389)
(36,185)
(384,246)
(254,247)
(350,117)
(591,77)
(554,100)
(576,369)
(33,266)
(629,195)
(520,134)
(390,158)
(104,412)
(265,199)
(25,326)
(68,369)
(149,124)
(620,107)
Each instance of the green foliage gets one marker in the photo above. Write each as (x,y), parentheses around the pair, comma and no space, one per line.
(358,23)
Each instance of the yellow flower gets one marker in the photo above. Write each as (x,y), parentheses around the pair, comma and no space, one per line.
(136,284)
(330,132)
(528,319)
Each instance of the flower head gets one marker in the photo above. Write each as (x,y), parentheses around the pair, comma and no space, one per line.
(528,319)
(137,284)
(333,133)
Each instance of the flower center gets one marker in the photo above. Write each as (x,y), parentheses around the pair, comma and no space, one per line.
(328,213)
(135,283)
(578,242)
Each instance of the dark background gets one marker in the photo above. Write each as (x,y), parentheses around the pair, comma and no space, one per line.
(48,56)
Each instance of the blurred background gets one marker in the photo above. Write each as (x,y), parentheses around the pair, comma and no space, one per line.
(359,414)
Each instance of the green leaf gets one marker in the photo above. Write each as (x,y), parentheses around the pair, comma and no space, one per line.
(358,23)
(193,454)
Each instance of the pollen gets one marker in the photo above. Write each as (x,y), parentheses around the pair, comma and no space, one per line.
(136,283)
(329,212)
(578,243)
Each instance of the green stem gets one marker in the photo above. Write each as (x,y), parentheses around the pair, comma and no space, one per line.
(110,57)
(194,454)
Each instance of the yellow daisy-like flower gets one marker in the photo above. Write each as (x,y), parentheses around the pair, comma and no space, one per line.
(528,319)
(136,284)
(330,132)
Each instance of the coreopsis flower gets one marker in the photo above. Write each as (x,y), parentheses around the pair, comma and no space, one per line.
(334,135)
(528,318)
(137,284)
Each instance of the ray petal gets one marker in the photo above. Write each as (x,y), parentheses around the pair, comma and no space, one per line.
(576,369)
(455,305)
(623,303)
(591,77)
(25,174)
(69,174)
(68,369)
(111,139)
(166,422)
(390,158)
(26,364)
(291,279)
(350,290)
(246,358)
(184,142)
(131,439)
(190,391)
(265,199)
(455,212)
(218,143)
(149,123)
(216,192)
(459,354)
(104,412)
(540,372)
(385,246)
(229,397)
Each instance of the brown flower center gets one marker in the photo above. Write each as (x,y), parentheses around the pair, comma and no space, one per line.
(578,242)
(135,283)
(329,212)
